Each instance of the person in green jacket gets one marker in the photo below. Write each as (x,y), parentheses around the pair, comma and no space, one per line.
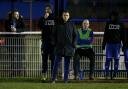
(84,48)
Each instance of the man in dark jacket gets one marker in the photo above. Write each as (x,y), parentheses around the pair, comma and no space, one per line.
(65,40)
(46,24)
(112,42)
(14,23)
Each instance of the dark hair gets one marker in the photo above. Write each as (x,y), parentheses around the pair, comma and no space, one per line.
(15,10)
(48,5)
(115,15)
(65,11)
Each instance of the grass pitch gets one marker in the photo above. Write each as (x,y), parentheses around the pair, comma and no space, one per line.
(26,85)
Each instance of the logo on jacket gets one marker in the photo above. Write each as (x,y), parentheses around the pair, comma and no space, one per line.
(112,26)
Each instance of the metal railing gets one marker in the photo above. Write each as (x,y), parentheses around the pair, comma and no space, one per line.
(20,56)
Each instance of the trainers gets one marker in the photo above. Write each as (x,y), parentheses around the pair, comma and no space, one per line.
(76,78)
(44,79)
(114,75)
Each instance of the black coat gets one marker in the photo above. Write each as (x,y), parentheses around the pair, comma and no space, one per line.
(46,27)
(20,27)
(113,33)
(19,24)
(65,39)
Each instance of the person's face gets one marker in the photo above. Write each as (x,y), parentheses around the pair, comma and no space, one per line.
(65,16)
(85,24)
(48,10)
(16,15)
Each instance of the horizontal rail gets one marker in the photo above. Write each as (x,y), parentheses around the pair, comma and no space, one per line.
(37,32)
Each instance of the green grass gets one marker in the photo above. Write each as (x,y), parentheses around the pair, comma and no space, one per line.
(26,85)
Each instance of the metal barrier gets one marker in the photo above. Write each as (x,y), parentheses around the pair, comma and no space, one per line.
(20,56)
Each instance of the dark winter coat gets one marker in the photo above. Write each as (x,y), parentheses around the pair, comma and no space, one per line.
(46,27)
(113,30)
(65,39)
(20,26)
(113,33)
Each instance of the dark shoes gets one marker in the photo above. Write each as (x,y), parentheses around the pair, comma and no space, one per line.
(91,78)
(81,77)
(108,77)
(114,76)
(76,78)
(43,79)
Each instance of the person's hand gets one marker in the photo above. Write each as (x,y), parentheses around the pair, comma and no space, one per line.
(46,15)
(13,29)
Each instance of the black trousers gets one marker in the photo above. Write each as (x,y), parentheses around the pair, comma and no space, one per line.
(89,53)
(47,53)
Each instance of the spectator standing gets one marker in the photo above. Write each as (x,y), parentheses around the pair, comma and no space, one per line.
(15,23)
(112,42)
(46,24)
(65,41)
